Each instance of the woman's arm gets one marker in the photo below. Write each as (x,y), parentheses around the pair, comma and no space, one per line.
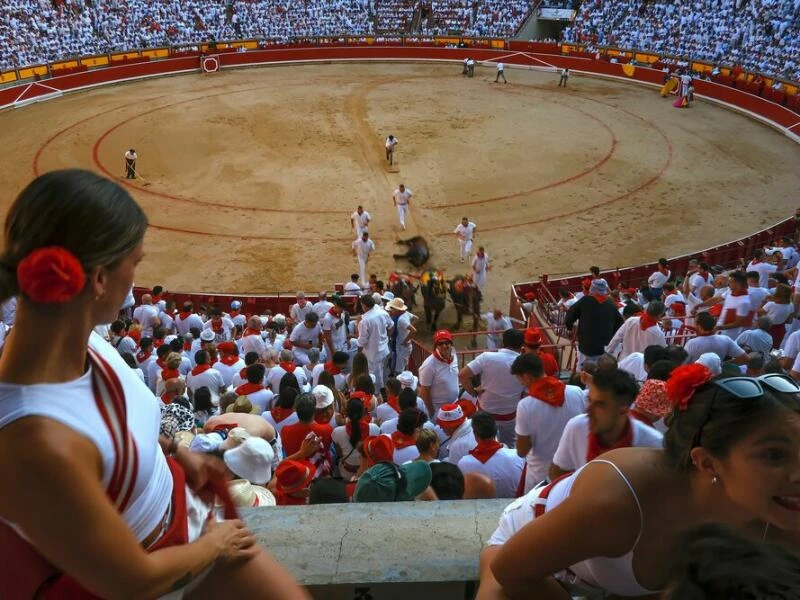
(82,533)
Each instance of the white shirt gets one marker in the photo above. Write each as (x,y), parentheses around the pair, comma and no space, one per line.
(757,295)
(403,326)
(634,364)
(633,339)
(500,67)
(361,220)
(735,306)
(210,378)
(262,399)
(253,343)
(390,144)
(277,372)
(390,426)
(184,325)
(755,339)
(303,334)
(764,270)
(340,380)
(504,468)
(363,248)
(227,328)
(402,198)
(658,279)
(479,264)
(335,325)
(146,314)
(228,372)
(351,288)
(778,313)
(124,345)
(349,456)
(544,424)
(697,281)
(498,326)
(571,452)
(501,390)
(290,420)
(456,447)
(321,308)
(465,232)
(298,313)
(372,333)
(721,345)
(441,378)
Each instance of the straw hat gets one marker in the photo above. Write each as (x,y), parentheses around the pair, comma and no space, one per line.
(245,495)
(397,304)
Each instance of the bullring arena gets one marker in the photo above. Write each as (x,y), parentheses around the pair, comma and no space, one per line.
(280,156)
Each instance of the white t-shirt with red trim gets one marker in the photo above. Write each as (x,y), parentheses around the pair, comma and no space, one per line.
(735,306)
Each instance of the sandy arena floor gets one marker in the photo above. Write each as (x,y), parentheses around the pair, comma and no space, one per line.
(253,174)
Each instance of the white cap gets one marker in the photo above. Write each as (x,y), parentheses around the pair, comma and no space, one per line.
(323,395)
(711,361)
(207,335)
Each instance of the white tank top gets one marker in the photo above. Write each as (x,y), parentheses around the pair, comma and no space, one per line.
(73,404)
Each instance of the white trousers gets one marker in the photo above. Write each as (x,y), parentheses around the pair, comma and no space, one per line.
(362,269)
(377,368)
(480,279)
(402,211)
(466,248)
(401,358)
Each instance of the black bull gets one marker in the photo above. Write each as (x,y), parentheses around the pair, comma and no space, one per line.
(418,252)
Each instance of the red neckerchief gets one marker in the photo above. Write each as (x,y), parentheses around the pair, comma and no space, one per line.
(599,297)
(549,390)
(248,388)
(249,331)
(333,311)
(365,398)
(716,310)
(363,425)
(596,447)
(187,346)
(332,368)
(480,254)
(157,343)
(156,298)
(394,402)
(143,356)
(646,321)
(183,315)
(160,362)
(401,440)
(279,413)
(229,359)
(200,369)
(243,373)
(485,450)
(217,327)
(755,261)
(738,293)
(289,367)
(165,398)
(438,356)
(170,374)
(233,314)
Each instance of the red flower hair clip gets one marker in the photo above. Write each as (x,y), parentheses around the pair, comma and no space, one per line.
(684,381)
(51,275)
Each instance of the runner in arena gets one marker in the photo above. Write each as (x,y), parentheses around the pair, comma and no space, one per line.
(391,142)
(402,200)
(130,164)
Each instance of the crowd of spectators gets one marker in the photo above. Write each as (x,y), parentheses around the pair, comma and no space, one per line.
(759,35)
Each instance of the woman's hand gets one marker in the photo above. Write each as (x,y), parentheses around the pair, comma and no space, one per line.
(198,467)
(234,542)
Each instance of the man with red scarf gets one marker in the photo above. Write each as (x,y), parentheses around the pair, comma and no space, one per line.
(187,318)
(292,436)
(542,415)
(334,328)
(252,337)
(607,424)
(336,366)
(222,327)
(639,332)
(490,457)
(599,320)
(204,376)
(438,374)
(658,279)
(285,365)
(229,363)
(737,310)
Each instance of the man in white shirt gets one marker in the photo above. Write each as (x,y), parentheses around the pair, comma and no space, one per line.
(496,324)
(373,337)
(757,339)
(500,73)
(480,265)
(360,221)
(222,327)
(737,311)
(285,365)
(252,337)
(130,164)
(438,374)
(322,306)
(607,424)
(456,437)
(564,77)
(707,341)
(147,315)
(352,287)
(390,144)
(542,415)
(637,333)
(402,200)
(299,310)
(402,335)
(228,363)
(306,335)
(658,278)
(500,391)
(204,376)
(465,232)
(362,248)
(334,329)
(698,276)
(757,293)
(764,269)
(120,339)
(237,318)
(187,318)
(490,457)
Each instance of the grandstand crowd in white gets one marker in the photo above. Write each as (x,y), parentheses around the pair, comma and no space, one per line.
(759,35)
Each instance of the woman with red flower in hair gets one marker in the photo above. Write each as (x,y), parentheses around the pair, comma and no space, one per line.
(731,457)
(129,519)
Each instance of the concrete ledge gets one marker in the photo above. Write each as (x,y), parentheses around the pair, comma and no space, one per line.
(401,542)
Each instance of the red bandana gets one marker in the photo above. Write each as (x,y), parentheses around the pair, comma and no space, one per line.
(249,331)
(549,390)
(170,374)
(243,373)
(716,310)
(229,359)
(646,321)
(183,315)
(365,398)
(248,388)
(363,425)
(143,356)
(279,413)
(596,447)
(160,362)
(485,450)
(187,346)
(401,440)
(233,314)
(216,326)
(394,402)
(332,368)
(200,369)
(165,398)
(599,297)
(289,367)
(333,311)
(158,342)
(438,356)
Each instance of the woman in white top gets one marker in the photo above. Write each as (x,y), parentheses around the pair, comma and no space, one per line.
(348,437)
(89,427)
(780,311)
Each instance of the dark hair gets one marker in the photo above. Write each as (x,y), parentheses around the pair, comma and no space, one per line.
(705,321)
(288,380)
(251,358)
(739,277)
(92,217)
(163,350)
(327,490)
(157,289)
(620,383)
(201,357)
(447,481)
(407,399)
(393,386)
(340,357)
(483,425)
(595,271)
(145,343)
(661,370)
(311,317)
(202,400)
(655,308)
(287,397)
(630,309)
(527,364)
(717,563)
(305,406)
(195,331)
(753,275)
(368,301)
(176,344)
(130,360)
(117,326)
(355,412)
(327,380)
(365,384)
(216,312)
(409,420)
(513,338)
(159,332)
(653,354)
(677,354)
(255,373)
(606,362)
(716,420)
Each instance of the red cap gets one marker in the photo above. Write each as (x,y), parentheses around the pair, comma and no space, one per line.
(529,296)
(533,336)
(294,475)
(378,448)
(450,415)
(442,336)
